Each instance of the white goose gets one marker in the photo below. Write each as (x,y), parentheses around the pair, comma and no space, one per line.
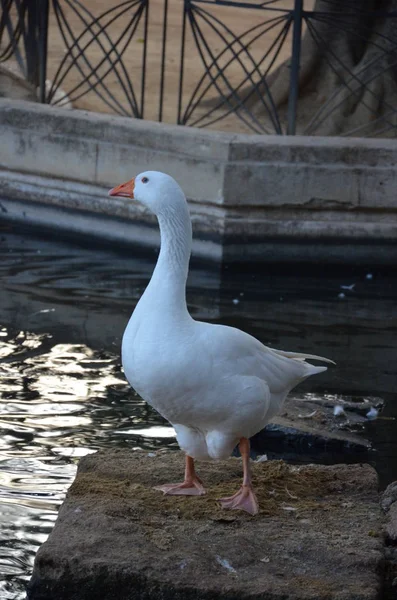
(217,385)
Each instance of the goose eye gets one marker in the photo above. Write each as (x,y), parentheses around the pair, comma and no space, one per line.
(144,179)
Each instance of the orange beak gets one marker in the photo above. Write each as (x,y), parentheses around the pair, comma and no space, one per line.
(124,190)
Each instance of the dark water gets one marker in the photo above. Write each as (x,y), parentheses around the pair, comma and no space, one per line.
(63,308)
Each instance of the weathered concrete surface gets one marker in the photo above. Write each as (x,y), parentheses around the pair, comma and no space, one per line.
(318,535)
(389,506)
(264,197)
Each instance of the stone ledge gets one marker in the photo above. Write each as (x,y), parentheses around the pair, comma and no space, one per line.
(250,195)
(316,150)
(267,235)
(318,535)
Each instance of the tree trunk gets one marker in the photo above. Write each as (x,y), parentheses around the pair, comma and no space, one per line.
(348,72)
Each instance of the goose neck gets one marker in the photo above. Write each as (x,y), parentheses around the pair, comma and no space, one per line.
(176,241)
(168,283)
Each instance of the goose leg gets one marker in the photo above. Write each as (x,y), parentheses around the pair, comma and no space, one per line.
(245,498)
(191,486)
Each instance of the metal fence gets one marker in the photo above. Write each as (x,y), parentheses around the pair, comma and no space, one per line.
(272,66)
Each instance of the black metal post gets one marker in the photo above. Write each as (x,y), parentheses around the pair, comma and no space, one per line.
(32,71)
(42,47)
(295,66)
(182,63)
(163,50)
(144,59)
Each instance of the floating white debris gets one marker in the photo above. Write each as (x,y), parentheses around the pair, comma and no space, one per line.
(265,559)
(289,508)
(341,295)
(241,293)
(42,311)
(339,411)
(262,458)
(236,301)
(372,413)
(350,287)
(369,276)
(151,454)
(226,564)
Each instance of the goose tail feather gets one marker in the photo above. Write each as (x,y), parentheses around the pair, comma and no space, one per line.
(303,356)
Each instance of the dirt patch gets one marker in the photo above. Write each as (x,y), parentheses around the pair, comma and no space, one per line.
(278,487)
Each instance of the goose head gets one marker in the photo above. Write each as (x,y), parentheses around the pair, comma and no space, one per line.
(157,191)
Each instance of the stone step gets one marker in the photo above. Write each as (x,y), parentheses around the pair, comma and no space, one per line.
(318,534)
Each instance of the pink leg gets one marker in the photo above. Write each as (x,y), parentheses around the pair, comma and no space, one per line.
(191,486)
(245,498)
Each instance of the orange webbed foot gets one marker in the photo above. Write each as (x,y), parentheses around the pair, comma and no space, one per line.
(191,487)
(244,499)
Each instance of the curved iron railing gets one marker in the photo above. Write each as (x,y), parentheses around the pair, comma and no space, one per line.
(239,72)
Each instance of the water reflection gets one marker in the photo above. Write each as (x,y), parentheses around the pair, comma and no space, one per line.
(62,395)
(58,403)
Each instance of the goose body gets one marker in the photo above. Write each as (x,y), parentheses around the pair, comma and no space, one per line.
(215,384)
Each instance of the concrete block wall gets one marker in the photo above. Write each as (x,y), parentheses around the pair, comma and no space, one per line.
(251,196)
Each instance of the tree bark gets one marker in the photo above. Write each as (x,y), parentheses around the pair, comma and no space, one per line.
(348,71)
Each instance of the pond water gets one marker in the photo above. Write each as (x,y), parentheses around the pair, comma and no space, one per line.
(63,308)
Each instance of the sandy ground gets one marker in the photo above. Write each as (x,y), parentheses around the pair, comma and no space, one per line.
(237,20)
